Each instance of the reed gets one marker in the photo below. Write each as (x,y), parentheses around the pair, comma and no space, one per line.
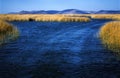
(7,32)
(110,36)
(106,16)
(63,19)
(58,17)
(44,17)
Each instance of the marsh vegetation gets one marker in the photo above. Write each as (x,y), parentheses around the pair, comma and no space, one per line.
(7,32)
(44,17)
(110,36)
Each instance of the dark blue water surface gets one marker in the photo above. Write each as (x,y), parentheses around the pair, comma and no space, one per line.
(58,50)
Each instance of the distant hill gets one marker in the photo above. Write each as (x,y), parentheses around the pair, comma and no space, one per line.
(68,11)
(108,12)
(72,11)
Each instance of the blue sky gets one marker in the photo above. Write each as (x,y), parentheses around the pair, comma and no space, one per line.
(18,5)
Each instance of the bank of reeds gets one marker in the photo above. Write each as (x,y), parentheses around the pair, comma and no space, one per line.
(110,36)
(44,17)
(7,32)
(106,16)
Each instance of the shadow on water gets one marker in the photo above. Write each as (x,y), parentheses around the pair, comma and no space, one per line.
(56,66)
(52,70)
(82,71)
(47,71)
(58,50)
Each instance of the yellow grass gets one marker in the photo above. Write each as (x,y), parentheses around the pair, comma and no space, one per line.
(97,16)
(7,32)
(106,16)
(43,17)
(110,36)
(63,19)
(58,17)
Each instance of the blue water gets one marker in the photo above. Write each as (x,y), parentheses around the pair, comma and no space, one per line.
(58,50)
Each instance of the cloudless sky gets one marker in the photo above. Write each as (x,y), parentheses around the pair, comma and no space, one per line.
(90,5)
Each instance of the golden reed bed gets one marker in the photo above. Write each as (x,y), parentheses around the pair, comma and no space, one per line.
(110,35)
(106,16)
(43,17)
(58,17)
(7,32)
(110,32)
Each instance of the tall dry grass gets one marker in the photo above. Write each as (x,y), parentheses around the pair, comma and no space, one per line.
(58,17)
(106,16)
(110,36)
(44,17)
(7,32)
(63,19)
